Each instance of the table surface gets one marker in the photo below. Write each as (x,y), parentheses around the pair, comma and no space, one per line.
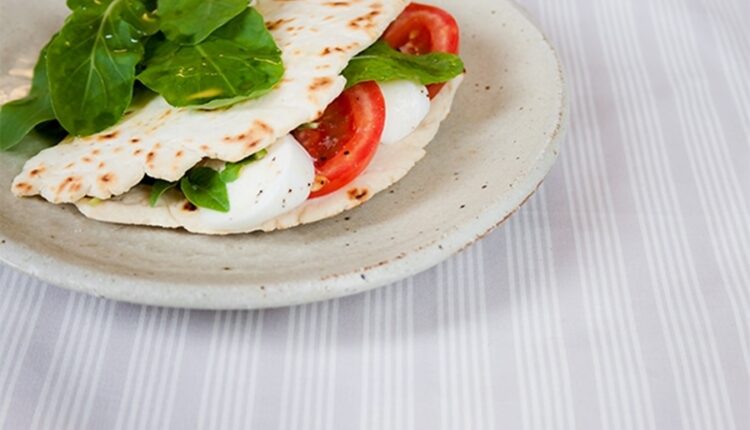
(618,298)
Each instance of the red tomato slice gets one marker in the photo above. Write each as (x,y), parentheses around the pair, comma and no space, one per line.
(422,29)
(344,140)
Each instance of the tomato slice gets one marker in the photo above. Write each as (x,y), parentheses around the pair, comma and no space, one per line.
(343,141)
(422,29)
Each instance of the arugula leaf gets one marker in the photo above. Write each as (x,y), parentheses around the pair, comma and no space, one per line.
(192,21)
(19,117)
(237,62)
(382,63)
(91,62)
(158,189)
(204,188)
(232,171)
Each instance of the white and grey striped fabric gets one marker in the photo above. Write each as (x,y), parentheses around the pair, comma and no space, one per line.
(618,298)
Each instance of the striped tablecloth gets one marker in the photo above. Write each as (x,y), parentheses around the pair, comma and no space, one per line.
(619,298)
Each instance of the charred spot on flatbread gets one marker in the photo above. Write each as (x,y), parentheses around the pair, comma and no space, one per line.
(358,194)
(23,187)
(320,83)
(275,25)
(36,171)
(106,178)
(110,135)
(366,22)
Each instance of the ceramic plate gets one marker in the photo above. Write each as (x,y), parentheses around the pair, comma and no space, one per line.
(490,155)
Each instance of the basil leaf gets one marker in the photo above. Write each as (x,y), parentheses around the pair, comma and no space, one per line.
(382,63)
(19,117)
(232,171)
(192,21)
(204,188)
(91,62)
(158,189)
(239,61)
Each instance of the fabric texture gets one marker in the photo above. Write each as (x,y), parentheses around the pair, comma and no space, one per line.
(618,298)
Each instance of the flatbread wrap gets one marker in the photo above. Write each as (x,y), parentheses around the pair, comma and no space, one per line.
(365,87)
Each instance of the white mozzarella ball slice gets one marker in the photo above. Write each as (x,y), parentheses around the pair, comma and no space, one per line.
(406,106)
(264,190)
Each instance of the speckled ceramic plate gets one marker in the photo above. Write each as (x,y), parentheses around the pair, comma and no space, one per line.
(490,156)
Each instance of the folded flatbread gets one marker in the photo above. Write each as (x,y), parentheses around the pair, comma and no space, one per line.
(101,174)
(318,38)
(391,163)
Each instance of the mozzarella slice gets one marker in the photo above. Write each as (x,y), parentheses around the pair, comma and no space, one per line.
(264,190)
(406,106)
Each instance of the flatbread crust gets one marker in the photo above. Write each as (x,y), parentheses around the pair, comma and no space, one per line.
(391,164)
(317,38)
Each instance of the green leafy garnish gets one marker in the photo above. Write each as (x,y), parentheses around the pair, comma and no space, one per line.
(19,117)
(232,171)
(91,62)
(382,63)
(158,189)
(192,21)
(86,77)
(238,61)
(203,187)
